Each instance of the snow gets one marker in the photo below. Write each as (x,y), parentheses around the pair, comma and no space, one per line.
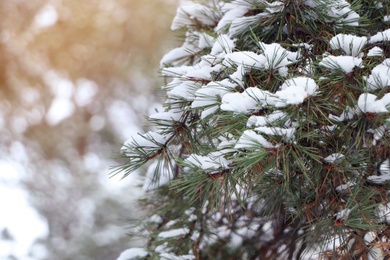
(247,59)
(369,237)
(192,217)
(148,141)
(310,3)
(238,76)
(343,214)
(338,11)
(210,163)
(245,102)
(274,57)
(168,256)
(350,44)
(252,140)
(155,219)
(267,232)
(277,56)
(286,133)
(292,95)
(133,253)
(200,71)
(333,158)
(209,96)
(309,85)
(368,103)
(384,168)
(235,241)
(274,7)
(182,90)
(380,37)
(174,233)
(203,72)
(343,187)
(378,132)
(304,45)
(375,51)
(176,71)
(344,63)
(347,114)
(384,171)
(186,14)
(231,11)
(241,24)
(222,46)
(226,146)
(205,41)
(283,71)
(177,54)
(171,116)
(264,120)
(234,15)
(292,92)
(171,223)
(341,12)
(383,212)
(380,76)
(165,175)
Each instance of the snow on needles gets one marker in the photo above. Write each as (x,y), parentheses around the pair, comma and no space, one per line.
(369,103)
(250,139)
(232,11)
(218,83)
(211,163)
(274,56)
(223,44)
(174,233)
(341,11)
(133,253)
(381,36)
(209,96)
(343,63)
(380,76)
(186,15)
(277,56)
(250,100)
(375,51)
(152,181)
(384,170)
(292,92)
(149,141)
(247,59)
(350,44)
(333,158)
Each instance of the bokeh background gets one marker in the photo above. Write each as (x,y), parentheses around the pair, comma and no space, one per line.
(76,78)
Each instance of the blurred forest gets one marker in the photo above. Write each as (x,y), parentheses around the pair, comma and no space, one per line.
(75,77)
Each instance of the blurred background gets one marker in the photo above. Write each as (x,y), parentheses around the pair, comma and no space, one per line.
(76,79)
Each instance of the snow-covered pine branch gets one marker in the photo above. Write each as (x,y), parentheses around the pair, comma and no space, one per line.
(275,133)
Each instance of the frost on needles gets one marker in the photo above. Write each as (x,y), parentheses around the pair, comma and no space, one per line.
(274,139)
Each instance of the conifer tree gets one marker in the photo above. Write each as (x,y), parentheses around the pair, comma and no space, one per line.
(274,139)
